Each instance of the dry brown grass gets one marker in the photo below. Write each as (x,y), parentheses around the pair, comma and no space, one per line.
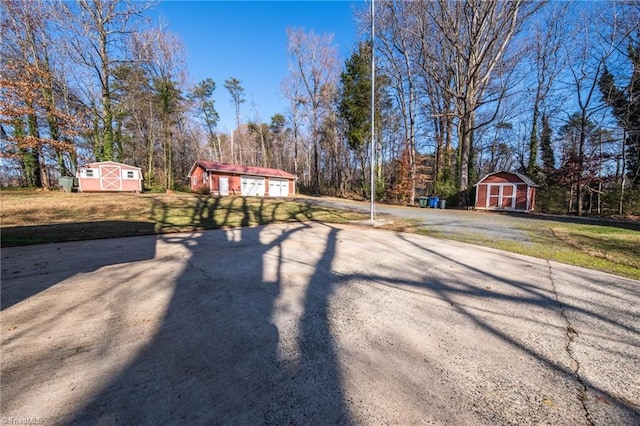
(30,217)
(27,208)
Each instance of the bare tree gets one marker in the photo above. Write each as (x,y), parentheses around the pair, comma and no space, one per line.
(438,84)
(619,85)
(396,41)
(162,56)
(291,89)
(135,116)
(586,59)
(259,132)
(35,103)
(97,32)
(547,62)
(314,65)
(478,34)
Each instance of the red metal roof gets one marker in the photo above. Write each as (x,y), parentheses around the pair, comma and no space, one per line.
(244,170)
(520,176)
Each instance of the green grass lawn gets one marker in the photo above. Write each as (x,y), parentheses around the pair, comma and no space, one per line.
(604,248)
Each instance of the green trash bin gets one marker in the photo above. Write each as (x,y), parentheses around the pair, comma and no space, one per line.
(66,183)
(423,202)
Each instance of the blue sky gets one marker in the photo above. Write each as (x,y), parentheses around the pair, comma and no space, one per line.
(248,40)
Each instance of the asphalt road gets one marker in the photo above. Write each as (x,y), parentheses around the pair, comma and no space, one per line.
(312,324)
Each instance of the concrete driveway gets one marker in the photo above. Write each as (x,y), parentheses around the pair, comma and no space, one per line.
(312,324)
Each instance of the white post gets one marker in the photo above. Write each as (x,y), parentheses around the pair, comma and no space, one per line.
(373,98)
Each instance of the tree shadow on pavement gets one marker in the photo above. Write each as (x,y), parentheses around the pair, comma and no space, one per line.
(22,267)
(217,357)
(250,332)
(533,297)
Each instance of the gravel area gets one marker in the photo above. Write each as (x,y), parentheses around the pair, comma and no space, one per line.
(498,225)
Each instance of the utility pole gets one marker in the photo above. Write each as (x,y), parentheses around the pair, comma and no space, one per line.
(373,98)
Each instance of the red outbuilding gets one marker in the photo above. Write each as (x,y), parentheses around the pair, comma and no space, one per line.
(233,179)
(109,176)
(504,190)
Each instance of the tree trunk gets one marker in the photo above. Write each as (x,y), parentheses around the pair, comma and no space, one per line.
(108,152)
(39,177)
(533,140)
(581,143)
(465,134)
(624,159)
(571,199)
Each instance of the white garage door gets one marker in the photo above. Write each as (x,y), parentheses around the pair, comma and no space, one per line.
(278,188)
(252,186)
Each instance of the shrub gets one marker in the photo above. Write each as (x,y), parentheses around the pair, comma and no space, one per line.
(156,189)
(446,189)
(551,199)
(202,190)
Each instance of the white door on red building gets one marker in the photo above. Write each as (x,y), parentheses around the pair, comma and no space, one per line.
(493,196)
(501,196)
(508,200)
(224,185)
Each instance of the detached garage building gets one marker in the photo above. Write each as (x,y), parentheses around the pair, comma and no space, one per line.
(232,179)
(109,176)
(503,190)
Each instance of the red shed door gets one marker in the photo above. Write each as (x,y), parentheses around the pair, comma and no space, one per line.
(110,178)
